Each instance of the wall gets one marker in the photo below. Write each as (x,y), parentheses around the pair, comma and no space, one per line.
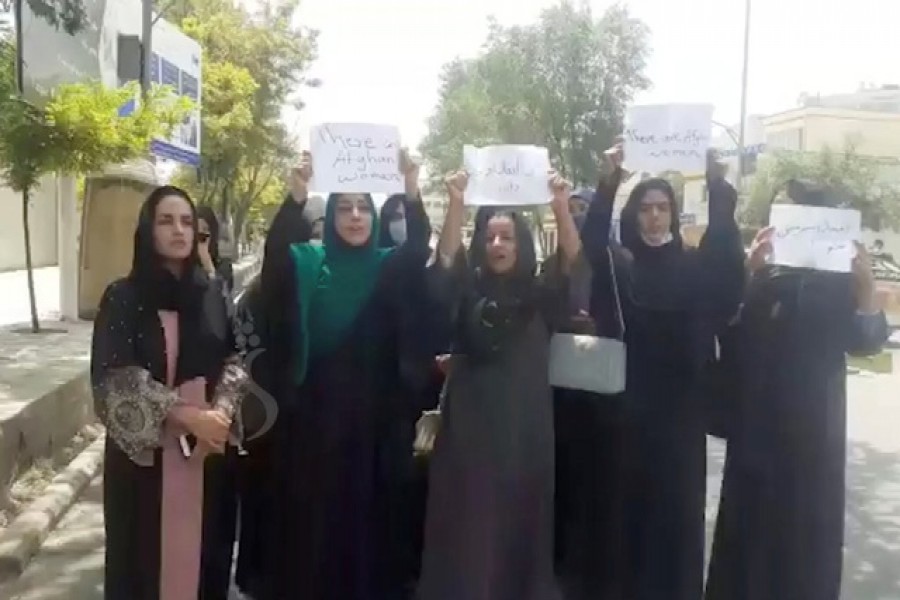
(108,218)
(812,129)
(43,220)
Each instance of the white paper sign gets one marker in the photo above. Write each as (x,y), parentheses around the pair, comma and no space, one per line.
(814,237)
(667,137)
(356,158)
(506,175)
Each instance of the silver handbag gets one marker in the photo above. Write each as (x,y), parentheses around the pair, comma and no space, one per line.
(588,362)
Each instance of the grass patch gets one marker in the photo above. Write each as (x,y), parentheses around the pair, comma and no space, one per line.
(882,363)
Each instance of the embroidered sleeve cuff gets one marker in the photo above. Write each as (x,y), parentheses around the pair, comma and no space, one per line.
(134,407)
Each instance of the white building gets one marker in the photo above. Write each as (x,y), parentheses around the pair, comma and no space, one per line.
(869,97)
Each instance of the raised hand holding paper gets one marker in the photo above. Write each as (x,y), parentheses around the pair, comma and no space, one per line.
(814,237)
(667,137)
(356,158)
(506,175)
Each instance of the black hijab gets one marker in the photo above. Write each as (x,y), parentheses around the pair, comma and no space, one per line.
(291,225)
(816,296)
(314,212)
(497,307)
(389,208)
(209,215)
(203,322)
(661,276)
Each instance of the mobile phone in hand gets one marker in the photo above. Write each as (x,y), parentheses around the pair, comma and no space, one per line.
(187,443)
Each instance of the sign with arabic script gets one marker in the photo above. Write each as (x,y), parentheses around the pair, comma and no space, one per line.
(667,137)
(814,237)
(507,175)
(356,158)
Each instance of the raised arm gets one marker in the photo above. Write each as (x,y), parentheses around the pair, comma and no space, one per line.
(569,240)
(597,225)
(418,227)
(451,233)
(868,329)
(721,253)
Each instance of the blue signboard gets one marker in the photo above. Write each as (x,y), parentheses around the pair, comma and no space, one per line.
(176,63)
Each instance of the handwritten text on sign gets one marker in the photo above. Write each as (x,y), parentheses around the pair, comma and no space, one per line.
(356,158)
(506,175)
(814,237)
(667,137)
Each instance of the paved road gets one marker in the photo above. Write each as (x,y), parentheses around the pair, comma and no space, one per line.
(71,564)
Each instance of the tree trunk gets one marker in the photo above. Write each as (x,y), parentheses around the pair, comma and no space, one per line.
(238,221)
(32,297)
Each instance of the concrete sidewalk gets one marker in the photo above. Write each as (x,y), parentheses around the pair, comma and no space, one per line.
(14,306)
(45,396)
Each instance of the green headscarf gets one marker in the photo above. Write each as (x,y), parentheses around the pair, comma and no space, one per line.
(334,283)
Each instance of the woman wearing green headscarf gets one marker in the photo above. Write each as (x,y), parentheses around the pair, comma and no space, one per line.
(344,308)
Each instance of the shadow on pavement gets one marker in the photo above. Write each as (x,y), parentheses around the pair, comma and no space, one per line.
(872,526)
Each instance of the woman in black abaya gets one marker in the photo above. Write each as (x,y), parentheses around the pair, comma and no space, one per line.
(343,304)
(402,478)
(672,297)
(166,384)
(780,528)
(261,330)
(589,435)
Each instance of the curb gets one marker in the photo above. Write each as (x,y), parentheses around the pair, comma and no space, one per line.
(23,538)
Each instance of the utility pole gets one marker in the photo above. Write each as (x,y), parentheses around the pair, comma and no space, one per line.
(741,133)
(146,45)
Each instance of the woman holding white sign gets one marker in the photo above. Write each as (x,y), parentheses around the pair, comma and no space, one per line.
(344,305)
(672,297)
(780,529)
(489,525)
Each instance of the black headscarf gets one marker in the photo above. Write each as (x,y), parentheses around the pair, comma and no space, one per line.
(388,209)
(586,195)
(497,306)
(630,229)
(661,277)
(203,322)
(819,295)
(314,212)
(209,215)
(290,226)
(223,266)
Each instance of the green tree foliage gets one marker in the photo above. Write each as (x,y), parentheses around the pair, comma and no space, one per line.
(563,83)
(79,131)
(68,15)
(253,63)
(857,180)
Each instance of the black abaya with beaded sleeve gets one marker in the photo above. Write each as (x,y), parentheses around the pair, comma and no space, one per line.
(128,374)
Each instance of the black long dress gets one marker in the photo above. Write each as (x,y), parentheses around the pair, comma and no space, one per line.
(780,529)
(673,298)
(403,477)
(261,329)
(324,541)
(128,364)
(590,475)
